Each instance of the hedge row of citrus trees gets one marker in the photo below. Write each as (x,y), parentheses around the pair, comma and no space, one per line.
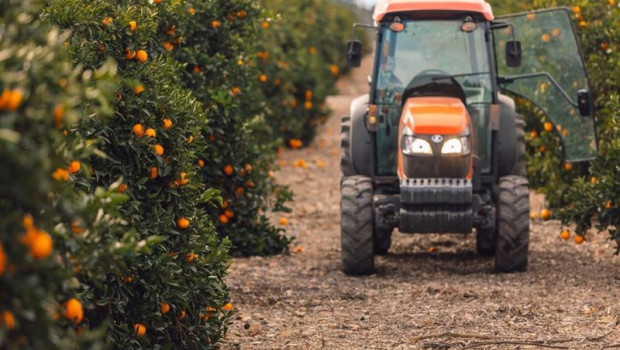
(136,149)
(584,194)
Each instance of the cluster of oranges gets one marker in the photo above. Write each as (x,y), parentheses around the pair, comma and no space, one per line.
(565,235)
(38,241)
(62,174)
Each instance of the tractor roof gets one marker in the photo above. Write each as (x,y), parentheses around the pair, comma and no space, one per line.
(385,7)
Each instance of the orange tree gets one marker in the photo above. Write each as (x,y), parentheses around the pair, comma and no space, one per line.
(213,44)
(588,192)
(51,236)
(172,295)
(300,55)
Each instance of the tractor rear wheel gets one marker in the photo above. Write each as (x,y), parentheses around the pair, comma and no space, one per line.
(513,236)
(383,241)
(357,226)
(346,161)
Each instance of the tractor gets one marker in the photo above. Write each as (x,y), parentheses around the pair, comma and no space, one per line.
(437,146)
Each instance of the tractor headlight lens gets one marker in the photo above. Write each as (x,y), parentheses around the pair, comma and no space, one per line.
(413,145)
(456,146)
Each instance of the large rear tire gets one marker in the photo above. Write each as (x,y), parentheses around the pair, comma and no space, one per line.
(513,236)
(357,226)
(346,161)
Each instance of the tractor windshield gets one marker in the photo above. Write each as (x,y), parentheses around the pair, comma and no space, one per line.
(438,47)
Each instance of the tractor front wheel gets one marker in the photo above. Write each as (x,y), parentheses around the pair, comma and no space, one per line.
(357,226)
(513,236)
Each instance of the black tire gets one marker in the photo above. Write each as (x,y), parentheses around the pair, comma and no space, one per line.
(383,241)
(513,236)
(520,161)
(486,241)
(357,226)
(346,161)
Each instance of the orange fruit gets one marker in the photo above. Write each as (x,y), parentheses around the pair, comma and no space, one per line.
(138,130)
(308,94)
(164,308)
(236,90)
(239,191)
(107,21)
(568,166)
(168,46)
(548,127)
(122,188)
(228,170)
(335,70)
(191,11)
(150,132)
(182,316)
(262,78)
(283,221)
(228,307)
(191,257)
(75,166)
(129,54)
(167,123)
(215,24)
(545,38)
(60,174)
(579,239)
(531,16)
(593,180)
(542,149)
(153,174)
(555,32)
(576,9)
(4,98)
(583,24)
(308,105)
(249,168)
(74,310)
(133,25)
(159,149)
(7,320)
(2,260)
(15,99)
(223,219)
(59,113)
(534,134)
(138,89)
(201,163)
(190,139)
(139,329)
(241,14)
(431,250)
(182,223)
(224,204)
(265,24)
(76,227)
(565,235)
(41,246)
(229,213)
(141,55)
(607,206)
(604,46)
(545,214)
(157,1)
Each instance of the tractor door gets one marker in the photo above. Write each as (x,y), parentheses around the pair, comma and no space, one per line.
(551,75)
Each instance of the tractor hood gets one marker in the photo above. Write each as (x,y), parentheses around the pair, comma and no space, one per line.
(435,116)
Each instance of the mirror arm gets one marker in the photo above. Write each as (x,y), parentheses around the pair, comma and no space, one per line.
(362,25)
(502,25)
(508,80)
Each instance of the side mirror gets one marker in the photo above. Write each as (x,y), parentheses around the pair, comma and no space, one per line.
(354,53)
(583,103)
(513,54)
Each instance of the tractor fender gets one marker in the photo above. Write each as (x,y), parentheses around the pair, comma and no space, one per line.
(508,146)
(359,145)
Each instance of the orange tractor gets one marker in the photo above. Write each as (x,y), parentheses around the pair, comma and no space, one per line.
(437,146)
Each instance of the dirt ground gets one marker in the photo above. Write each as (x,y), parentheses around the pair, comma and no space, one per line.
(448,299)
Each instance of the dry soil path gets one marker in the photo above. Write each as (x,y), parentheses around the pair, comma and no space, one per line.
(570,293)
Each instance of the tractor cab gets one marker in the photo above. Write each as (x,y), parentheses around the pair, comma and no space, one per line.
(437,145)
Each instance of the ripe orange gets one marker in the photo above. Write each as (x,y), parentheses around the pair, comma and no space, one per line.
(133,25)
(236,90)
(7,320)
(4,98)
(568,166)
(545,38)
(76,227)
(74,310)
(604,46)
(164,308)
(241,14)
(228,307)
(239,191)
(41,246)
(265,24)
(548,127)
(182,316)
(224,204)
(215,24)
(190,139)
(229,213)
(249,168)
(534,134)
(191,257)
(201,163)
(168,46)
(545,214)
(308,94)
(150,132)
(2,260)
(159,149)
(191,11)
(75,166)
(283,221)
(107,21)
(182,223)
(153,174)
(60,174)
(223,219)
(555,32)
(138,89)
(542,149)
(593,180)
(607,206)
(229,170)
(142,56)
(59,113)
(129,54)
(262,78)
(139,329)
(565,235)
(122,188)
(308,105)
(167,123)
(138,130)
(14,100)
(579,239)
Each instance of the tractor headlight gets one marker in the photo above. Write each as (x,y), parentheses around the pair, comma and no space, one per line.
(413,145)
(459,145)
